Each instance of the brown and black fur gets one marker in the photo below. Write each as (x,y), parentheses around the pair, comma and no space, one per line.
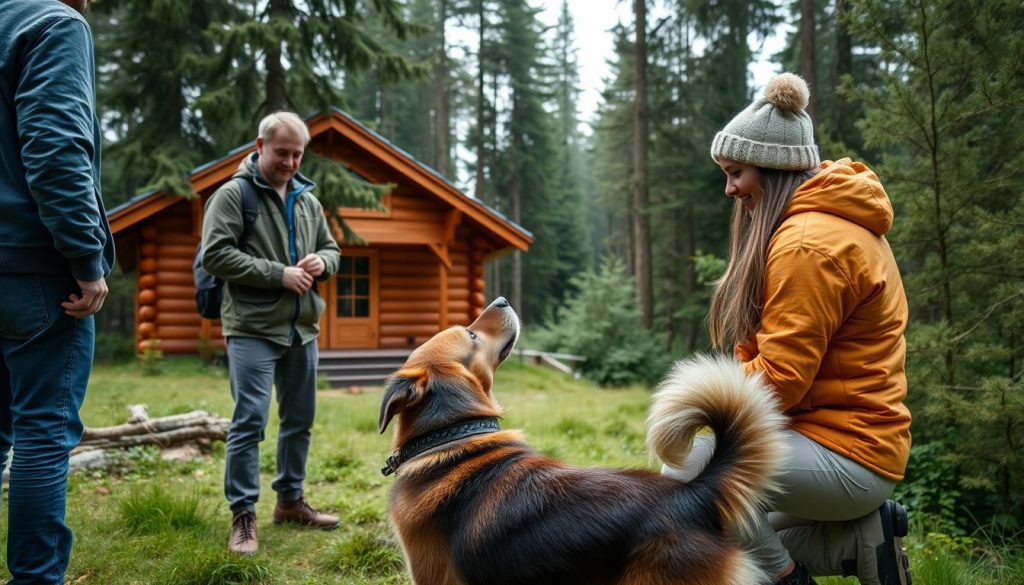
(489,510)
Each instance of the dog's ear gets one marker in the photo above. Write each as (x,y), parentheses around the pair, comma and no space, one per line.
(404,389)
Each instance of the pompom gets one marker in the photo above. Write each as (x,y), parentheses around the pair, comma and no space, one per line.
(788,91)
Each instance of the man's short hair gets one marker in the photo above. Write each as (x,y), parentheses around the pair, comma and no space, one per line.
(270,124)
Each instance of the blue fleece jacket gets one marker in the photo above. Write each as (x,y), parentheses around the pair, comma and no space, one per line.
(51,213)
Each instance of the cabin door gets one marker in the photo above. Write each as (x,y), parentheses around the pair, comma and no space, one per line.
(352,301)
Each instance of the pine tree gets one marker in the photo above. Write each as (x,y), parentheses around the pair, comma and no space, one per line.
(808,54)
(953,166)
(568,180)
(479,16)
(295,56)
(145,57)
(613,170)
(301,48)
(442,151)
(679,202)
(402,110)
(726,26)
(698,72)
(524,166)
(835,62)
(641,196)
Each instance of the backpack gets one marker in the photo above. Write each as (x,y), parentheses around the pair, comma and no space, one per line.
(210,289)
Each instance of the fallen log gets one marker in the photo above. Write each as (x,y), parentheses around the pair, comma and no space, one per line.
(150,426)
(178,436)
(171,434)
(212,430)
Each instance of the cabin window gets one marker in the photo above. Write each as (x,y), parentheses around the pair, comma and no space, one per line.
(354,287)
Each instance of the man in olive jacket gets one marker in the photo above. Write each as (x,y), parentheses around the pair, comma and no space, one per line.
(270,316)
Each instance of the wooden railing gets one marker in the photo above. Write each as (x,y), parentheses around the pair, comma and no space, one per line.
(552,360)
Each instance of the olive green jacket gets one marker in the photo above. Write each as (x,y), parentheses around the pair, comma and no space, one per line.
(255,303)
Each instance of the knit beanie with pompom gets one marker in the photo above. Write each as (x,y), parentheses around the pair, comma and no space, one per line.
(774,132)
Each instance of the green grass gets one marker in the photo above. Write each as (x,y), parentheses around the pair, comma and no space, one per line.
(152,509)
(146,521)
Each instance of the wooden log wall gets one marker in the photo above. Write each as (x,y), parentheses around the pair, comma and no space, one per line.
(410,287)
(410,306)
(467,282)
(165,294)
(475,252)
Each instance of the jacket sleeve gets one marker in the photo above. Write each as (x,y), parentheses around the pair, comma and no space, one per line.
(55,104)
(807,298)
(222,226)
(326,247)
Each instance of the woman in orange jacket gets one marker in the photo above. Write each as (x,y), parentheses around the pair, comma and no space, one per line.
(813,301)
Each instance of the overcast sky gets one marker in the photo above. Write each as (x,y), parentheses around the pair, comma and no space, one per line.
(594,19)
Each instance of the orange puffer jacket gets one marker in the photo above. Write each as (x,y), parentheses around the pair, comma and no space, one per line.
(831,335)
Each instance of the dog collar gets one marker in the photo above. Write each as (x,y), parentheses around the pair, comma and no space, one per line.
(421,444)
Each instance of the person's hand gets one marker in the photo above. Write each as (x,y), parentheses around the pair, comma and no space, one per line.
(94,292)
(296,280)
(312,264)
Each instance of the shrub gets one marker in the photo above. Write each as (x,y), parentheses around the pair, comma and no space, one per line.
(602,323)
(929,490)
(151,358)
(114,347)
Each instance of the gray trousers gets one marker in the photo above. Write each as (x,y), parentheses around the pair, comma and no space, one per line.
(254,364)
(826,517)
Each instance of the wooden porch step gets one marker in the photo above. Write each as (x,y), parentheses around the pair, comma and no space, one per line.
(360,367)
(364,353)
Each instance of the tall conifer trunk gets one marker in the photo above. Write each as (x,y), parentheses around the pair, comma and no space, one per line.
(481,123)
(843,66)
(277,93)
(641,223)
(442,122)
(517,216)
(808,57)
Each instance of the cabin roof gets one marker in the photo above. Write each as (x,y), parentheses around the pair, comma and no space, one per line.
(430,181)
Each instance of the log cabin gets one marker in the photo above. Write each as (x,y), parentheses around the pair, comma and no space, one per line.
(421,269)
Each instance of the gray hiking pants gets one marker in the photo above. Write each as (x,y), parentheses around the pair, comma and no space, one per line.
(826,517)
(254,365)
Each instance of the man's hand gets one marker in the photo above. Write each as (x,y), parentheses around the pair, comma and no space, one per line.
(296,279)
(94,292)
(312,264)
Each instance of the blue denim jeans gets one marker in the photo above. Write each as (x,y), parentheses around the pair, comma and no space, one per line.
(45,362)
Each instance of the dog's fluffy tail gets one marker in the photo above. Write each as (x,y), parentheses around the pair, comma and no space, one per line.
(742,412)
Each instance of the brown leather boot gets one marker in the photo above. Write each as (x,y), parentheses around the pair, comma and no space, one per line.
(243,534)
(300,512)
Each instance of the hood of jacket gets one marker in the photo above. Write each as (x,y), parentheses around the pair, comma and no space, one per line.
(847,189)
(247,169)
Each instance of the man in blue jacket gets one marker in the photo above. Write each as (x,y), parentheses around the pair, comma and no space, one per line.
(55,254)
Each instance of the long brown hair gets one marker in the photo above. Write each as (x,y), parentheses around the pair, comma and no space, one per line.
(738,297)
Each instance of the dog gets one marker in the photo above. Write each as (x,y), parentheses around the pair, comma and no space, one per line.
(474,505)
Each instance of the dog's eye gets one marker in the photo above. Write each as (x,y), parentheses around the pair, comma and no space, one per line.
(471,334)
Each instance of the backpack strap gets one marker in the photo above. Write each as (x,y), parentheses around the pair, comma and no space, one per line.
(250,209)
